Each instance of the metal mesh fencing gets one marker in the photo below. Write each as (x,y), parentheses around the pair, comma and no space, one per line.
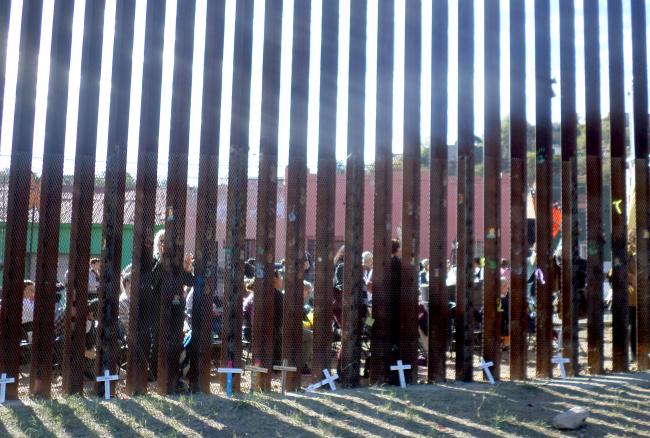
(200,275)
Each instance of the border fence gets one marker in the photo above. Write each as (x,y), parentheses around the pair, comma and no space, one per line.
(475,254)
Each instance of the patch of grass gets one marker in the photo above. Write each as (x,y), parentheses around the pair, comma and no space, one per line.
(480,405)
(542,423)
(158,403)
(54,415)
(501,418)
(410,414)
(391,393)
(30,425)
(240,404)
(295,416)
(324,428)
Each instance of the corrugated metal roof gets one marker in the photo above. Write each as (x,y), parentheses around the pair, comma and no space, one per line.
(98,205)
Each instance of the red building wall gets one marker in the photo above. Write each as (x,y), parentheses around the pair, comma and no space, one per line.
(452,187)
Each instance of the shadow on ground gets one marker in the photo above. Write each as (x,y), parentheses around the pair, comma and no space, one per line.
(617,402)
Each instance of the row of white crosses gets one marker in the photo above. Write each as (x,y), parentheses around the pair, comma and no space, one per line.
(399,367)
(284,369)
(107,378)
(557,359)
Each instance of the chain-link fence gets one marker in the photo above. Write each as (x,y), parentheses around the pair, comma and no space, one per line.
(201,275)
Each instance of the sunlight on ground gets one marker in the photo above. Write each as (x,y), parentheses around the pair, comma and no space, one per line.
(617,403)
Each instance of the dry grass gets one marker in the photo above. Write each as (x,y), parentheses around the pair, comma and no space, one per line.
(618,405)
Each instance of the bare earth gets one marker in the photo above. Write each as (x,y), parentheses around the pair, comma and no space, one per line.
(619,406)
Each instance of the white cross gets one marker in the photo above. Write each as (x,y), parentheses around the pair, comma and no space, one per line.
(3,386)
(485,366)
(254,370)
(106,378)
(328,380)
(400,369)
(285,369)
(560,361)
(229,371)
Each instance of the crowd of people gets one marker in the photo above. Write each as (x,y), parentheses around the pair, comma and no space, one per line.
(182,305)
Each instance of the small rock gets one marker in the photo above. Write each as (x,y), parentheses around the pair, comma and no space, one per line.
(571,419)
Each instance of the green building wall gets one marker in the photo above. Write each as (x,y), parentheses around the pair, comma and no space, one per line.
(64,242)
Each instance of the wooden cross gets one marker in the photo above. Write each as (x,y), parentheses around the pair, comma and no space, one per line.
(400,369)
(229,370)
(328,380)
(485,366)
(254,370)
(107,378)
(284,368)
(560,361)
(3,386)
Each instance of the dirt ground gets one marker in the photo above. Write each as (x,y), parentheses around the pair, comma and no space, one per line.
(618,404)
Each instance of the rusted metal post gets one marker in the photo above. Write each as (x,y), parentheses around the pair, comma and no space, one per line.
(518,190)
(352,271)
(570,249)
(82,200)
(142,315)
(438,295)
(620,319)
(543,183)
(5,10)
(326,181)
(465,273)
(206,245)
(595,239)
(237,189)
(113,224)
(296,194)
(492,189)
(109,287)
(383,218)
(408,348)
(640,73)
(267,193)
(18,195)
(40,376)
(172,301)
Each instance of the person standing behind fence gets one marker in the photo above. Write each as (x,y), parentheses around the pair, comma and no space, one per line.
(423,275)
(308,265)
(94,275)
(150,307)
(632,299)
(28,301)
(394,286)
(277,317)
(337,303)
(366,263)
(125,302)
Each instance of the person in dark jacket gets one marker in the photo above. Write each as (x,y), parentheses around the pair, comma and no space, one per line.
(394,283)
(150,303)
